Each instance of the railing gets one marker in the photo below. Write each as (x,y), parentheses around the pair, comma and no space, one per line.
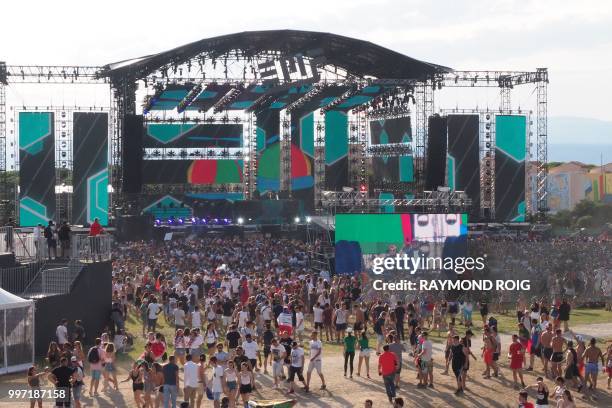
(94,249)
(17,279)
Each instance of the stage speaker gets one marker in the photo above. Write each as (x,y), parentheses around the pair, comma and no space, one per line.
(131,160)
(436,153)
(134,227)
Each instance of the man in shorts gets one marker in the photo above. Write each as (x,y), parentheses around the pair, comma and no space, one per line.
(316,351)
(296,366)
(546,343)
(558,344)
(490,347)
(278,355)
(592,355)
(425,357)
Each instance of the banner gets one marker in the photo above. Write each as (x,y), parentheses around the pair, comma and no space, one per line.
(36,168)
(90,168)
(510,151)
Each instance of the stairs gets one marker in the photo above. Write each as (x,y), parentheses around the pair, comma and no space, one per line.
(54,278)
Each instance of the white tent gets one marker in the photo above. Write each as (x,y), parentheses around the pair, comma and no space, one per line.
(16,333)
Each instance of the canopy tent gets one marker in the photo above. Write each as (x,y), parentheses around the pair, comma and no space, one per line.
(16,333)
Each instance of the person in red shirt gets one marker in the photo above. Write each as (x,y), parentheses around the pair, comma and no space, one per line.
(516,355)
(523,403)
(95,230)
(387,366)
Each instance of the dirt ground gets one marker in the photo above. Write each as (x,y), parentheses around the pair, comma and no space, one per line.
(345,392)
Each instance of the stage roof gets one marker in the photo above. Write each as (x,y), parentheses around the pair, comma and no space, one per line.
(358,57)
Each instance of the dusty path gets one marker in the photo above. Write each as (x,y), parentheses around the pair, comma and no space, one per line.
(345,392)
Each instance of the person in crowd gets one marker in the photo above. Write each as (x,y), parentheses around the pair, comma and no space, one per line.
(63,378)
(137,376)
(171,383)
(34,385)
(296,366)
(592,356)
(191,380)
(349,351)
(63,234)
(315,360)
(516,355)
(364,353)
(387,368)
(95,231)
(50,234)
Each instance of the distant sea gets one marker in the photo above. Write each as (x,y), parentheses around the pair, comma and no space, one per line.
(585,153)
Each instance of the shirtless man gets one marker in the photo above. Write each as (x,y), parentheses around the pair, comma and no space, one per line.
(490,347)
(449,342)
(592,355)
(558,343)
(546,342)
(520,307)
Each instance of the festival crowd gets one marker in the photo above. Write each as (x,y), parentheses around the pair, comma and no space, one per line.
(217,315)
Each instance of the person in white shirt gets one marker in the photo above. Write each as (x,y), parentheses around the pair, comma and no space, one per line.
(179,316)
(278,355)
(154,309)
(243,317)
(196,318)
(62,333)
(317,312)
(426,362)
(191,380)
(251,350)
(299,322)
(235,282)
(316,351)
(218,373)
(296,366)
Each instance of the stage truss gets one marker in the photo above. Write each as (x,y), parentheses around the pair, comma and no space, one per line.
(236,68)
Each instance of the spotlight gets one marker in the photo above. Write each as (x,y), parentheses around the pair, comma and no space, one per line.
(240,220)
(194,220)
(308,219)
(157,221)
(297,220)
(181,220)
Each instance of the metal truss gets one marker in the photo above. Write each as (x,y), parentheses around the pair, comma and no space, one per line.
(542,144)
(4,199)
(424,98)
(191,188)
(353,155)
(285,176)
(484,79)
(319,163)
(250,162)
(487,165)
(448,201)
(391,149)
(62,74)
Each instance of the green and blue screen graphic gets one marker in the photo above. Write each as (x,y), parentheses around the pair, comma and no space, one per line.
(37,168)
(510,152)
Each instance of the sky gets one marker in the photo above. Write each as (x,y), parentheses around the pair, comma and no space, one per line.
(572,38)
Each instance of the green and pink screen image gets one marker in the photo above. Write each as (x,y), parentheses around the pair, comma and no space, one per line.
(359,237)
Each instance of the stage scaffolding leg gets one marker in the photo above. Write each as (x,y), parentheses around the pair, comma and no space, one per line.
(353,153)
(424,98)
(487,166)
(319,164)
(250,165)
(4,199)
(542,144)
(285,181)
(505,99)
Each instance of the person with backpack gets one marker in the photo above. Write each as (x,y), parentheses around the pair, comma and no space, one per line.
(49,234)
(95,357)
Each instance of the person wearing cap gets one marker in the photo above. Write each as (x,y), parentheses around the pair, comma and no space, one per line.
(349,350)
(63,377)
(278,354)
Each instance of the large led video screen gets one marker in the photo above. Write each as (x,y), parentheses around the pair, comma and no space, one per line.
(186,135)
(510,151)
(361,240)
(36,168)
